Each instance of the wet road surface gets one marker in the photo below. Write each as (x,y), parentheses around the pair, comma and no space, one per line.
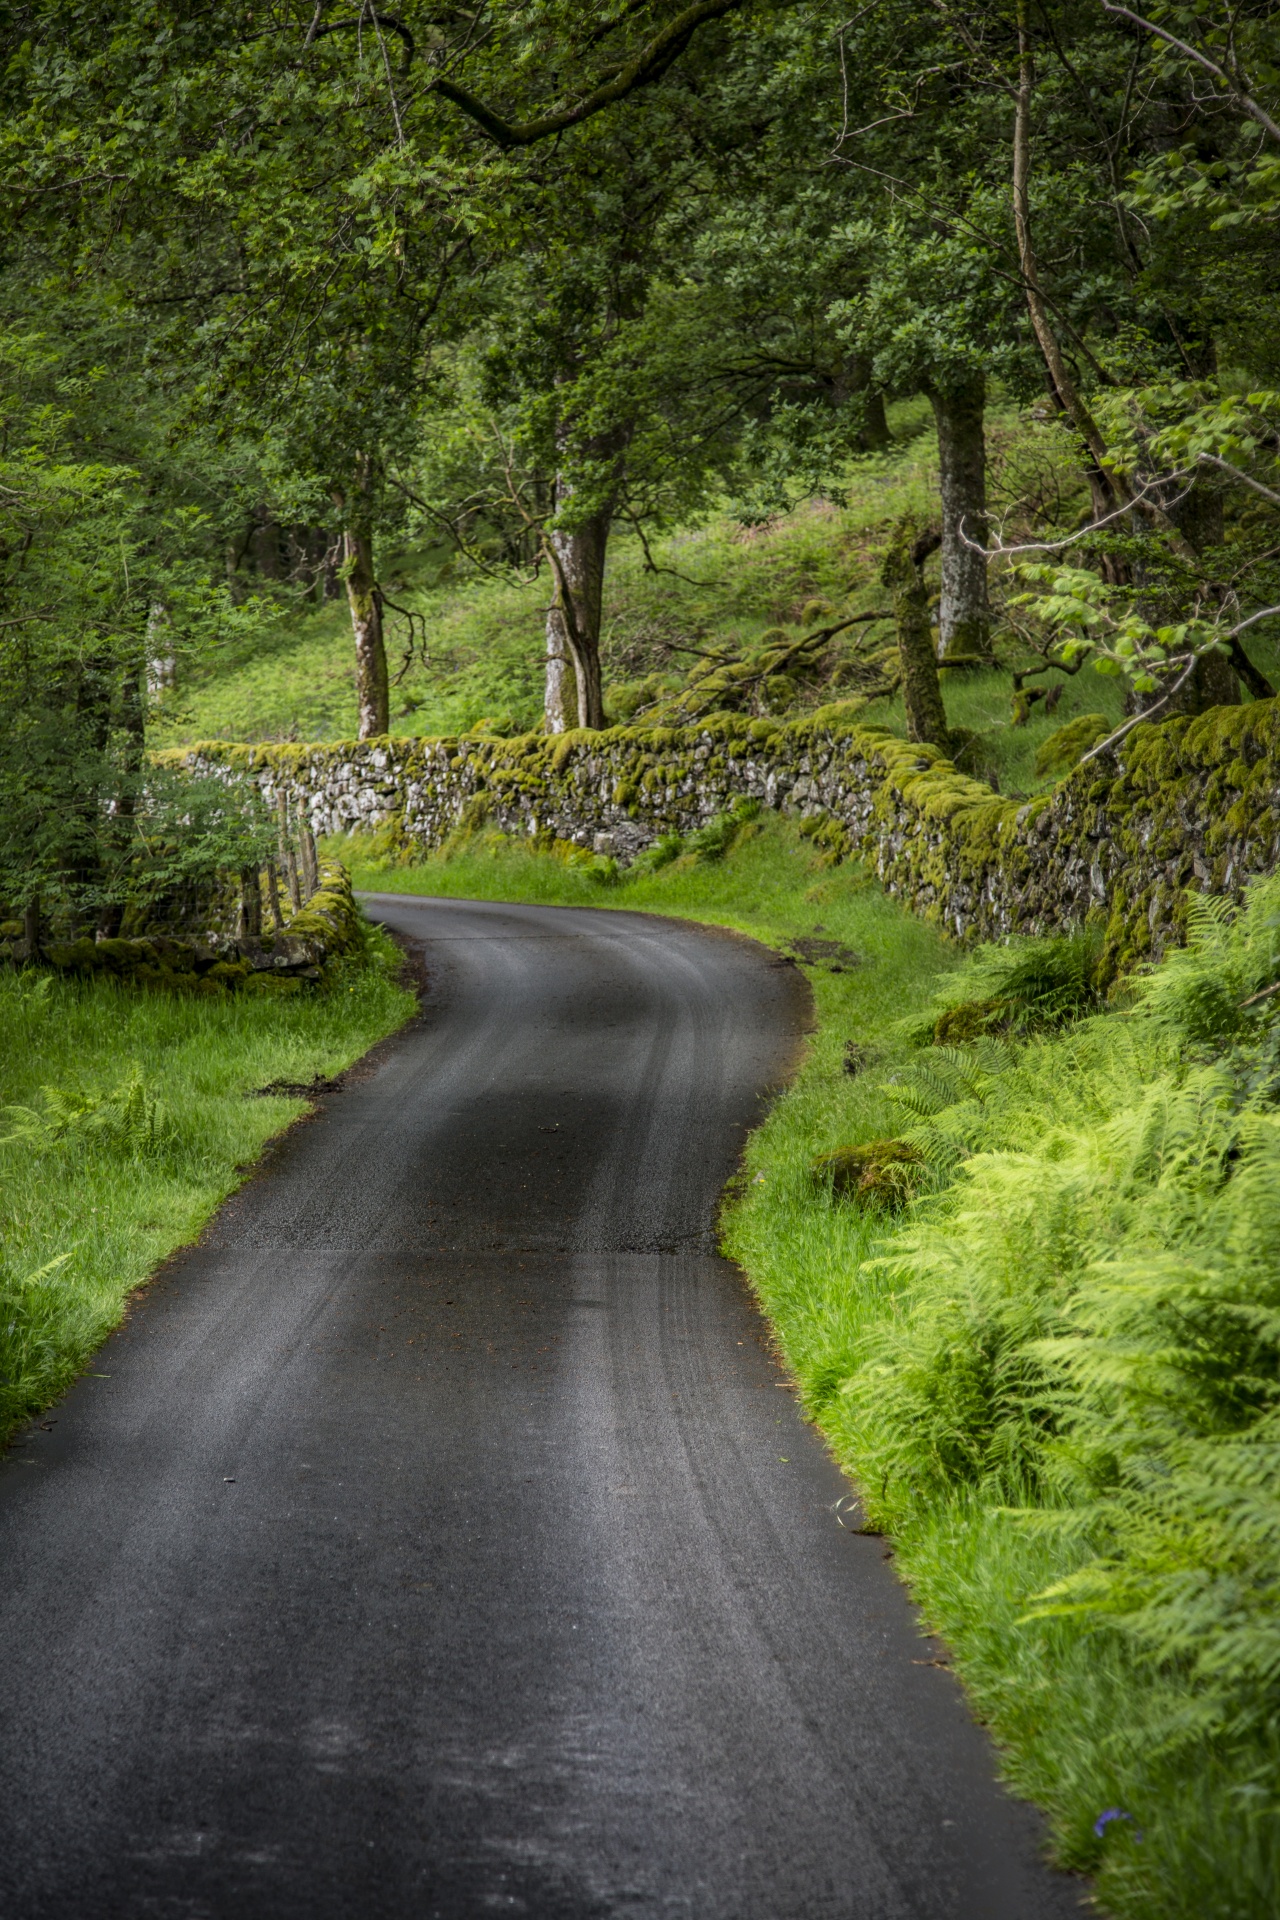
(444,1541)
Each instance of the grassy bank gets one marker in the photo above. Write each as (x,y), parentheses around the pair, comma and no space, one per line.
(128,1122)
(1059,1363)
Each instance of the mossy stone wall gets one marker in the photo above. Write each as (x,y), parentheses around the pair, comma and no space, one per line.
(1190,804)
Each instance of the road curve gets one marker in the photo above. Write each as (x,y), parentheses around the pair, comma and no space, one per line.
(443,1540)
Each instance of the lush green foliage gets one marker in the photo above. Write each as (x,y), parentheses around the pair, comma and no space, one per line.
(280,281)
(421,306)
(106,595)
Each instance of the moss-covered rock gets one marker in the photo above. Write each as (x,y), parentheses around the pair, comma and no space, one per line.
(878,1173)
(971,1020)
(328,925)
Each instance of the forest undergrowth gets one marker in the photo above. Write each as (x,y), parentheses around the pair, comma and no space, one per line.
(1019,1250)
(128,1117)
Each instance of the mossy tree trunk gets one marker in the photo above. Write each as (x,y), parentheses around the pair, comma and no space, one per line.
(1217,678)
(574,695)
(903,575)
(373,694)
(561,700)
(964,617)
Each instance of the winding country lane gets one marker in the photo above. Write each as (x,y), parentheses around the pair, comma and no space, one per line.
(444,1540)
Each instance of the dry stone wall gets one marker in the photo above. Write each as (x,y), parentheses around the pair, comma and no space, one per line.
(1192,804)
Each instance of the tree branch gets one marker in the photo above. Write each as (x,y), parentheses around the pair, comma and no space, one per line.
(648,65)
(1266,613)
(1114,739)
(317,31)
(1235,92)
(1245,479)
(1064,386)
(650,564)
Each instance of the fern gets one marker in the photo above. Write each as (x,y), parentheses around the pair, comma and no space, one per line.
(1024,984)
(1200,991)
(1087,1323)
(126,1118)
(945,1095)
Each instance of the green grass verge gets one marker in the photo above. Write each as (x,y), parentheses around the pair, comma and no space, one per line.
(127,1124)
(1084,1723)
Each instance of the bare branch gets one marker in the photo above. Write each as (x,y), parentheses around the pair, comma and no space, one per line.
(450,527)
(1245,479)
(651,565)
(386,66)
(1064,387)
(1113,739)
(1266,614)
(1141,502)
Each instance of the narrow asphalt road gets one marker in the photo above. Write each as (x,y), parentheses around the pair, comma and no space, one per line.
(439,1537)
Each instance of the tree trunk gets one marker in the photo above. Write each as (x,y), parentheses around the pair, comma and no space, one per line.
(250,904)
(132,765)
(1106,489)
(903,575)
(964,620)
(852,384)
(577,557)
(873,435)
(373,695)
(310,863)
(162,664)
(561,704)
(31,930)
(1198,519)
(288,858)
(1213,683)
